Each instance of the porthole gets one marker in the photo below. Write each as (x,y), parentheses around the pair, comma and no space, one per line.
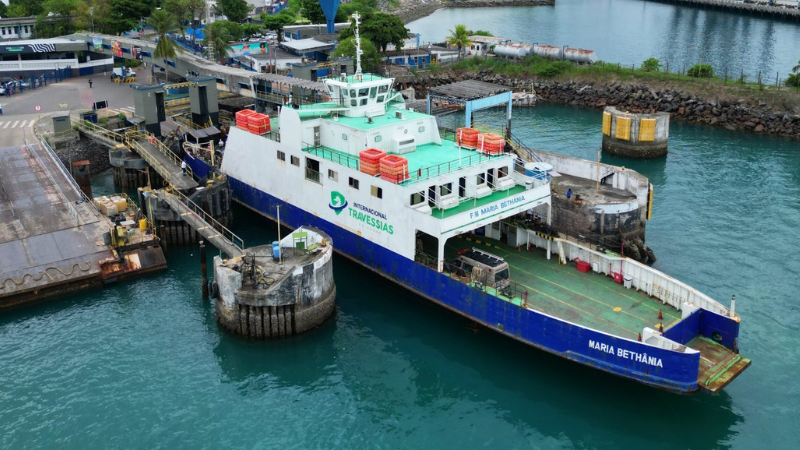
(378,138)
(344,136)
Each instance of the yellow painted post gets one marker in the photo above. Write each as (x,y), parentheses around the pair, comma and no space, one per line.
(606,123)
(623,128)
(647,130)
(650,202)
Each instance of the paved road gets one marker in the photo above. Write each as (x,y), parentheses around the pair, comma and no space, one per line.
(18,110)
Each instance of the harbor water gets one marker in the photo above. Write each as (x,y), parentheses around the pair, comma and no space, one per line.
(144,365)
(631,31)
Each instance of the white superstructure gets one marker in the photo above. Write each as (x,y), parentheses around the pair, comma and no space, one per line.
(311,160)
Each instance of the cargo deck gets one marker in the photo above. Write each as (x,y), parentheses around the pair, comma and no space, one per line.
(586,299)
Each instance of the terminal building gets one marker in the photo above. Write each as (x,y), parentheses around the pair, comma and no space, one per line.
(28,58)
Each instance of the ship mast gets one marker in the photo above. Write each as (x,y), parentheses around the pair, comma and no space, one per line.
(358,76)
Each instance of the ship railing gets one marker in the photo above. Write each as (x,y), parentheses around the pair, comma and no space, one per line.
(330,154)
(70,208)
(641,276)
(312,175)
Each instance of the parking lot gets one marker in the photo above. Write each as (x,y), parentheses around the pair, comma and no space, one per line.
(19,113)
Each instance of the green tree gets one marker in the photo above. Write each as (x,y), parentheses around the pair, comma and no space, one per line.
(3,9)
(792,80)
(382,29)
(234,10)
(233,29)
(312,10)
(60,18)
(796,68)
(651,65)
(479,33)
(370,58)
(701,71)
(362,6)
(249,29)
(125,15)
(276,22)
(459,37)
(25,8)
(163,23)
(216,42)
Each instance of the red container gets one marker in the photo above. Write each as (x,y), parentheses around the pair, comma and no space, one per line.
(372,155)
(583,266)
(617,277)
(242,118)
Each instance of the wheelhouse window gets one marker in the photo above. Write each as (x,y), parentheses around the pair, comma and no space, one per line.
(445,189)
(502,172)
(417,198)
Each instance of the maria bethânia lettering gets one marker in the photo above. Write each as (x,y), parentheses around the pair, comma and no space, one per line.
(496,207)
(626,354)
(360,212)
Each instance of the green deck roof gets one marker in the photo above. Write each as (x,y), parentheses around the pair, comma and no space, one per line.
(361,123)
(586,299)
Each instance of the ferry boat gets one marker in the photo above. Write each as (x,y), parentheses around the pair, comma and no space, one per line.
(454,225)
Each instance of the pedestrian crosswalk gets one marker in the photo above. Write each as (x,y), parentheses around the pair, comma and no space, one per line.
(127,110)
(16,123)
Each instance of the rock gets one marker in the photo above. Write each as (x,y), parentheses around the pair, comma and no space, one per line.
(681,111)
(759,128)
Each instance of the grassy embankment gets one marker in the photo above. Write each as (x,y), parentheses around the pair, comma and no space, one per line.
(536,67)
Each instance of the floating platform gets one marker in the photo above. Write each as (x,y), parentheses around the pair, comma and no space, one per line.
(53,240)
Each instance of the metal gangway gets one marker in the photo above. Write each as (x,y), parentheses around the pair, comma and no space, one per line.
(202,222)
(151,149)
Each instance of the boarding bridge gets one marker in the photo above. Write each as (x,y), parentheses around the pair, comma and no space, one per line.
(152,150)
(267,87)
(208,227)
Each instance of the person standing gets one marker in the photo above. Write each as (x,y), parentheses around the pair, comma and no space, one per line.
(1,110)
(90,83)
(183,167)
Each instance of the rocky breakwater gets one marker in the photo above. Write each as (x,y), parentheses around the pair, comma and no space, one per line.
(768,112)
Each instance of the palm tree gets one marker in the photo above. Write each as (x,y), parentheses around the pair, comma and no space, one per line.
(459,37)
(216,42)
(796,68)
(163,23)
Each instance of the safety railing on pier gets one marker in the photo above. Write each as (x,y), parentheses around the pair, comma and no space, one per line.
(224,232)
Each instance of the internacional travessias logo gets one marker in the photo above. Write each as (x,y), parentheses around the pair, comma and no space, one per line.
(338,202)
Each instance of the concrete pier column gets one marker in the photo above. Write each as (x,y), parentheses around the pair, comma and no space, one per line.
(635,135)
(203,269)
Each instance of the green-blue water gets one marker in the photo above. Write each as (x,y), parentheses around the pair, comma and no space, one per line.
(144,365)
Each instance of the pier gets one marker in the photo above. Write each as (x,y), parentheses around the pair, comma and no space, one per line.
(52,237)
(783,10)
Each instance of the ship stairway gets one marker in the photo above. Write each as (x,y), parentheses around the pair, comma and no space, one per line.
(521,150)
(202,222)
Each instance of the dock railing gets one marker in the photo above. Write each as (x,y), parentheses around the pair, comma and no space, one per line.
(223,231)
(131,138)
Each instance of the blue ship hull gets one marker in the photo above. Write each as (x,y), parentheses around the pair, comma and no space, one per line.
(676,371)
